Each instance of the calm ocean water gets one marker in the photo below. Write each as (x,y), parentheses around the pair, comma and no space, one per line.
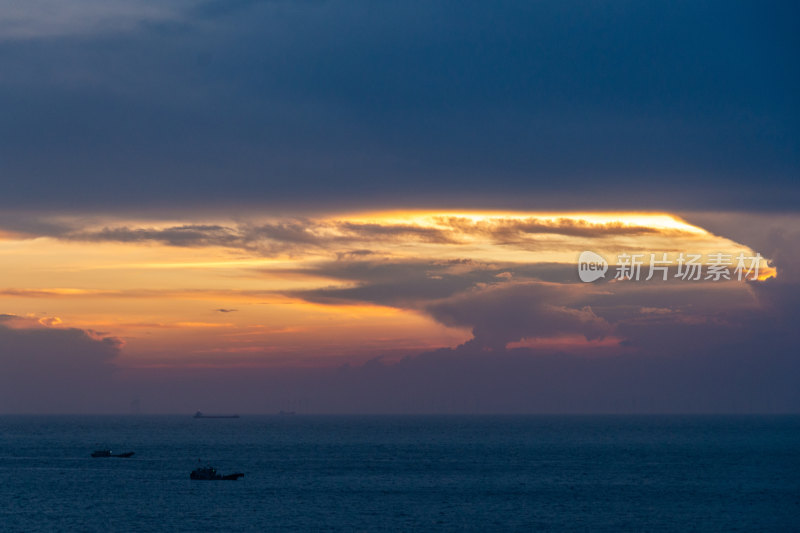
(479,473)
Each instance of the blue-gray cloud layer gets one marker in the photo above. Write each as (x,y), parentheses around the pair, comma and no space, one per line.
(671,105)
(54,370)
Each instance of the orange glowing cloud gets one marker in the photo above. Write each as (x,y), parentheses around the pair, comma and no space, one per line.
(362,283)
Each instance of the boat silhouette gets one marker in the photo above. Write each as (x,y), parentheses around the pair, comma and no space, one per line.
(209,473)
(107,453)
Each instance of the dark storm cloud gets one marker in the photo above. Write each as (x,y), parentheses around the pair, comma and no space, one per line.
(503,303)
(415,284)
(739,359)
(54,369)
(508,303)
(394,283)
(330,104)
(510,312)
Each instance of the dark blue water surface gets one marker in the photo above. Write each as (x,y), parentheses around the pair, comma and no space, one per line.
(387,473)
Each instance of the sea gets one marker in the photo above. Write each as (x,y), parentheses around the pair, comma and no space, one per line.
(402,473)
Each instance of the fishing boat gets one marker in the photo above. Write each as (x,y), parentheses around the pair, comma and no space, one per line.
(107,453)
(209,473)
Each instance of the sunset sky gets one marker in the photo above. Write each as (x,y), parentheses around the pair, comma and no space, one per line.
(357,207)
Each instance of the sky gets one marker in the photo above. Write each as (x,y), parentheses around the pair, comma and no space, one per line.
(360,207)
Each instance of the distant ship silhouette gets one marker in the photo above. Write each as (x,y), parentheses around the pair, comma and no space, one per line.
(107,453)
(198,414)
